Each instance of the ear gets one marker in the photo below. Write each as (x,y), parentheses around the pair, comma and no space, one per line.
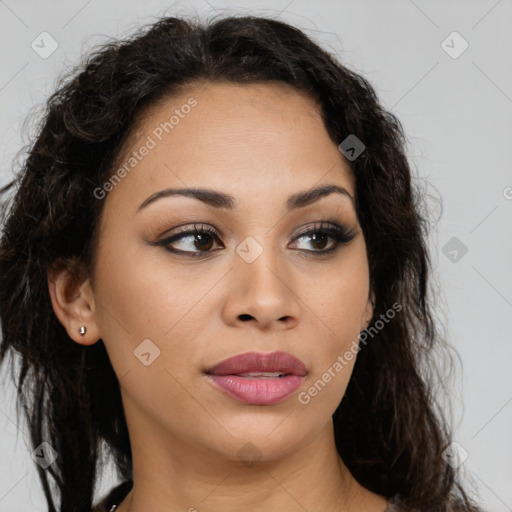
(368,311)
(73,303)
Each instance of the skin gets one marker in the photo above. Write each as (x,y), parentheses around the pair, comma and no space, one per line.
(259,143)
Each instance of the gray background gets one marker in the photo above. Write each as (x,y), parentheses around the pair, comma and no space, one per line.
(457,113)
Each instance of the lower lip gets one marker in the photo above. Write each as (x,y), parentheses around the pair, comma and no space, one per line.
(257,391)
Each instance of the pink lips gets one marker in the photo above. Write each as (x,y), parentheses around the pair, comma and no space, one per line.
(258,379)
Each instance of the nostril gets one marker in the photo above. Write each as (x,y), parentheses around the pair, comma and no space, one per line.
(245,317)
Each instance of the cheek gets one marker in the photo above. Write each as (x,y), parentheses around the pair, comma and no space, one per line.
(341,298)
(341,304)
(143,286)
(150,311)
(325,389)
(336,353)
(137,299)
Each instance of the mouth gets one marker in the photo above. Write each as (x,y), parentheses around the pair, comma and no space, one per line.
(263,375)
(258,379)
(257,364)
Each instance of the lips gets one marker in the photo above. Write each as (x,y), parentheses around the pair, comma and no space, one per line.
(275,362)
(258,379)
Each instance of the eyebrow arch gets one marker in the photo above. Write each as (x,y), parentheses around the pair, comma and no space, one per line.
(226,201)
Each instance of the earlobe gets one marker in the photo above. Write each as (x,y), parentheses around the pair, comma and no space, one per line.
(73,305)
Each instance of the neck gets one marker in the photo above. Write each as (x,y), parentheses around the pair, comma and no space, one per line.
(172,474)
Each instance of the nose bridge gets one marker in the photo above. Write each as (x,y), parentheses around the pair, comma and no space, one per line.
(263,282)
(258,261)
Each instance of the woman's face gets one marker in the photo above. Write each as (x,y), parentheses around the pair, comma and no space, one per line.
(168,311)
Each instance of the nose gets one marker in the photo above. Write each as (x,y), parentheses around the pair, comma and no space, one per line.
(263,289)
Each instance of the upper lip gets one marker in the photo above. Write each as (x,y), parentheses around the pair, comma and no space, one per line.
(258,362)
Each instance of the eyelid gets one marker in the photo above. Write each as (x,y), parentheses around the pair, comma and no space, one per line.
(195,226)
(199,226)
(323,224)
(340,233)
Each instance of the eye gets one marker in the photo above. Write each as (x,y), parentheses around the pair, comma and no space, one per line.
(193,241)
(200,240)
(319,235)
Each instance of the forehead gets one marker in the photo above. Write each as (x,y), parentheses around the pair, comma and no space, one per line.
(243,138)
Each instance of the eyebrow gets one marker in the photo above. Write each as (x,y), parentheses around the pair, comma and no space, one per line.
(225,201)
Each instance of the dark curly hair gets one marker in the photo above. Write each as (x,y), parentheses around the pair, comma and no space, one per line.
(389,427)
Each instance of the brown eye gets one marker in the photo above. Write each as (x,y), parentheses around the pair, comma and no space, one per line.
(319,235)
(201,240)
(193,241)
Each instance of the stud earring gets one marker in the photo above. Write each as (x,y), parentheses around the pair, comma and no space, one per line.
(82,330)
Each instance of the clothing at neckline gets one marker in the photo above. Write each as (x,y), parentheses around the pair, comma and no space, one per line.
(119,493)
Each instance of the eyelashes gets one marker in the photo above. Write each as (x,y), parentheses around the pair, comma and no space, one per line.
(201,238)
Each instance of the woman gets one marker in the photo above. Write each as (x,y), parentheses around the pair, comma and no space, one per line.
(215,266)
